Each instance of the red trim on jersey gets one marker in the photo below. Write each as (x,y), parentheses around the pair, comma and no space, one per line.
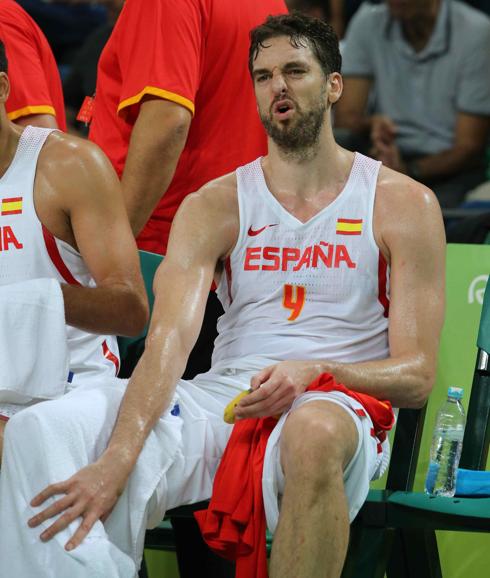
(353,221)
(110,356)
(63,270)
(229,277)
(382,283)
(56,258)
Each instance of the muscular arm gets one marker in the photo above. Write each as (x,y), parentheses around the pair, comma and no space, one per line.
(469,142)
(78,199)
(416,244)
(181,288)
(202,232)
(157,140)
(41,120)
(412,237)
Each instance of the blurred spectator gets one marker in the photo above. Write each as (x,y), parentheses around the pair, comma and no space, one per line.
(331,11)
(36,95)
(66,23)
(336,12)
(428,64)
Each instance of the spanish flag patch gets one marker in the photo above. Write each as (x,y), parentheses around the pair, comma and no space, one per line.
(349,227)
(11,206)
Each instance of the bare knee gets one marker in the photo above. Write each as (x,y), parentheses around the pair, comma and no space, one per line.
(317,442)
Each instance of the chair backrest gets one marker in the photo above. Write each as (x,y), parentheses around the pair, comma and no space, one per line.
(477,433)
(410,423)
(406,448)
(131,348)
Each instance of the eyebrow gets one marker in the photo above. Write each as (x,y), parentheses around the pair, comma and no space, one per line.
(288,66)
(296,64)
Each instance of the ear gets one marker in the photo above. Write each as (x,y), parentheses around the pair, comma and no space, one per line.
(4,87)
(335,87)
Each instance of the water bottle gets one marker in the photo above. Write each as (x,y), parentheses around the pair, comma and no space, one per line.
(447,443)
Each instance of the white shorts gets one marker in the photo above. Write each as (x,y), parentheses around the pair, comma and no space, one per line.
(368,463)
(205,434)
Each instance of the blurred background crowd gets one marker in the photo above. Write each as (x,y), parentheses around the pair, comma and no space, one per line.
(417,82)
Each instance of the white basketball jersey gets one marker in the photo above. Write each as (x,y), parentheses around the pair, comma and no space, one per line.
(314,290)
(29,251)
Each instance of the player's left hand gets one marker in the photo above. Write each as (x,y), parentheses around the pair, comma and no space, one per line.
(276,387)
(90,495)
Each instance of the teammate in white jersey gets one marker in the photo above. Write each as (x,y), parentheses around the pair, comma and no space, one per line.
(62,218)
(300,244)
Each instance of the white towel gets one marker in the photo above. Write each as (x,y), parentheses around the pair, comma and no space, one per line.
(33,345)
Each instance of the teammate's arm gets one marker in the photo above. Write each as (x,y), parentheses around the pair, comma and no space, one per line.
(157,140)
(470,140)
(42,120)
(202,232)
(79,183)
(414,243)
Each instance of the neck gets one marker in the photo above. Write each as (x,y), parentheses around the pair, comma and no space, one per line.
(323,167)
(9,139)
(418,30)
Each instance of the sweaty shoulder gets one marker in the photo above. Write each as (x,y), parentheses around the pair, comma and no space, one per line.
(64,153)
(211,215)
(74,175)
(403,208)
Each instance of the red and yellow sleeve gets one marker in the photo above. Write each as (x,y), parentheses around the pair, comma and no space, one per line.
(29,91)
(160,51)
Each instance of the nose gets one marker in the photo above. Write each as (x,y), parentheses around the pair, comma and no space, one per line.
(278,83)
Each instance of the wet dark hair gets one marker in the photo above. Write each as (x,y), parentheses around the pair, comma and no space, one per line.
(3,58)
(303,31)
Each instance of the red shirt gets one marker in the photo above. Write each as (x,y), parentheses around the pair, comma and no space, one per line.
(194,53)
(35,84)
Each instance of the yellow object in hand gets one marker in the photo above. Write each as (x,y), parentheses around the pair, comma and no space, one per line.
(229,414)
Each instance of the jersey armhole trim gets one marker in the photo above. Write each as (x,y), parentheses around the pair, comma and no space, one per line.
(161,93)
(28,110)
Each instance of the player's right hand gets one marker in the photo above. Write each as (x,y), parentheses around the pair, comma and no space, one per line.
(90,494)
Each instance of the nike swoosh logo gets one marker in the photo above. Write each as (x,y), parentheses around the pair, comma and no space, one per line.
(253,233)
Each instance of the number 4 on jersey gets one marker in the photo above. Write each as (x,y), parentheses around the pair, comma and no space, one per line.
(294,299)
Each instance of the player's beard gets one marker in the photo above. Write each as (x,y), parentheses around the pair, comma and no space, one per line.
(299,136)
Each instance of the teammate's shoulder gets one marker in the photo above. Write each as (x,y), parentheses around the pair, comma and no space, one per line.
(398,192)
(69,152)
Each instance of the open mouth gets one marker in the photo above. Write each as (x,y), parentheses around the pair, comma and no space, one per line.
(283,108)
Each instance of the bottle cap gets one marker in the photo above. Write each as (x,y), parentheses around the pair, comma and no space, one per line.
(455,392)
